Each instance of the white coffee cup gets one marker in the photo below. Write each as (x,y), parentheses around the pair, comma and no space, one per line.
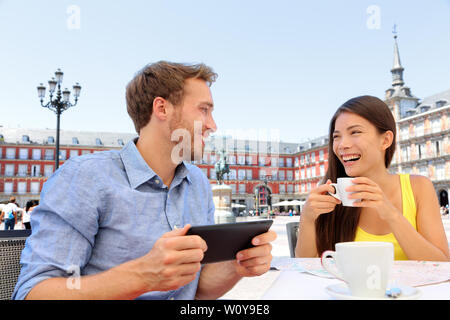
(341,194)
(364,266)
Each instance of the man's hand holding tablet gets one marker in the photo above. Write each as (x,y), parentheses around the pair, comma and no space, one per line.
(254,260)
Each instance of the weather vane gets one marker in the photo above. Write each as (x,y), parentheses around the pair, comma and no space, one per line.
(394,31)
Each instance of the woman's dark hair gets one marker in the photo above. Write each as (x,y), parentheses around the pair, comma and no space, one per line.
(340,225)
(31,203)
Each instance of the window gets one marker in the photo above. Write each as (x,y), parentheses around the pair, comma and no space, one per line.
(281,162)
(50,140)
(313,157)
(73,153)
(274,162)
(274,174)
(34,187)
(22,170)
(241,160)
(419,129)
(289,162)
(10,153)
(8,188)
(438,148)
(440,103)
(36,155)
(322,170)
(241,174)
(9,170)
(49,154)
(21,187)
(242,188)
(248,173)
(320,155)
(262,161)
(404,132)
(25,139)
(302,159)
(440,171)
(75,140)
(281,175)
(290,188)
(48,170)
(98,142)
(23,153)
(436,125)
(262,174)
(232,159)
(405,153)
(289,175)
(62,154)
(35,170)
(302,173)
(282,189)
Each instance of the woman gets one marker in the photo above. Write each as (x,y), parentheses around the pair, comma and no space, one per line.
(401,209)
(31,204)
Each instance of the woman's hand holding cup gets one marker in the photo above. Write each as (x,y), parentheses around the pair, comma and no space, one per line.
(319,202)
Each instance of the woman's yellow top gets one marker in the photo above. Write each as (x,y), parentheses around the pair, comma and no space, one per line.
(409,212)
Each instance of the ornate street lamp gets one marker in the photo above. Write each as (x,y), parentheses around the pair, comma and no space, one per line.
(60,104)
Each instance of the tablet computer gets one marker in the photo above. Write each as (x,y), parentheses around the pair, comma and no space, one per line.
(225,240)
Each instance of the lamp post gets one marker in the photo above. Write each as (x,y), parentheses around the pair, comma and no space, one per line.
(60,104)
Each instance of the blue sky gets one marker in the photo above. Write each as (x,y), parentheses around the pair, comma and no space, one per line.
(282,65)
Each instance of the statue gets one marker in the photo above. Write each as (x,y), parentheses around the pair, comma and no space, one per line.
(222,193)
(221,167)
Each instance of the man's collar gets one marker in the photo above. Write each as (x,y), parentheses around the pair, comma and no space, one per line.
(139,172)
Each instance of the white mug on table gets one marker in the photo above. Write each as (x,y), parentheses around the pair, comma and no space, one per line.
(364,266)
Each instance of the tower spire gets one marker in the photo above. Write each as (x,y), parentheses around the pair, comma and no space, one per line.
(397,69)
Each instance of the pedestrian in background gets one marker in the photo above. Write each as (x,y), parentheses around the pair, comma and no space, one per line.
(31,204)
(9,214)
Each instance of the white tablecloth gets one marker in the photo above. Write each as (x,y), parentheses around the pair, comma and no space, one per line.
(297,285)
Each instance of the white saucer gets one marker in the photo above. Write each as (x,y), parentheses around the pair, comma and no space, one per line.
(341,291)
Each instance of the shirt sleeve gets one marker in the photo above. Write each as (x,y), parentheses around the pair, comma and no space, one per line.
(64,226)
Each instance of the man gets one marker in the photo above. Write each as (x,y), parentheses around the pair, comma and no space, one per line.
(112,225)
(8,214)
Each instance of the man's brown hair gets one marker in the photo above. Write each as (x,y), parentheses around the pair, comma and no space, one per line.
(161,79)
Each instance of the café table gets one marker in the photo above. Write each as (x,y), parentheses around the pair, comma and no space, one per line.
(305,279)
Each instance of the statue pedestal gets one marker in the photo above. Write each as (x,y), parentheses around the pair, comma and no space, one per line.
(222,202)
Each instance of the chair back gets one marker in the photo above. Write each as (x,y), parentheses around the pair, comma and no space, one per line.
(292,234)
(12,243)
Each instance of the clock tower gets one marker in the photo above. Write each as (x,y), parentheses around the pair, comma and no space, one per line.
(398,97)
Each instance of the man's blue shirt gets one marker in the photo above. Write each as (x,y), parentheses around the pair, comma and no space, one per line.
(100,210)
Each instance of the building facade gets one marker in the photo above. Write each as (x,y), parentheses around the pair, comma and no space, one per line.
(261,172)
(423,128)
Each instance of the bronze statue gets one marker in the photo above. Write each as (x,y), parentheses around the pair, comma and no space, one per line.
(221,167)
